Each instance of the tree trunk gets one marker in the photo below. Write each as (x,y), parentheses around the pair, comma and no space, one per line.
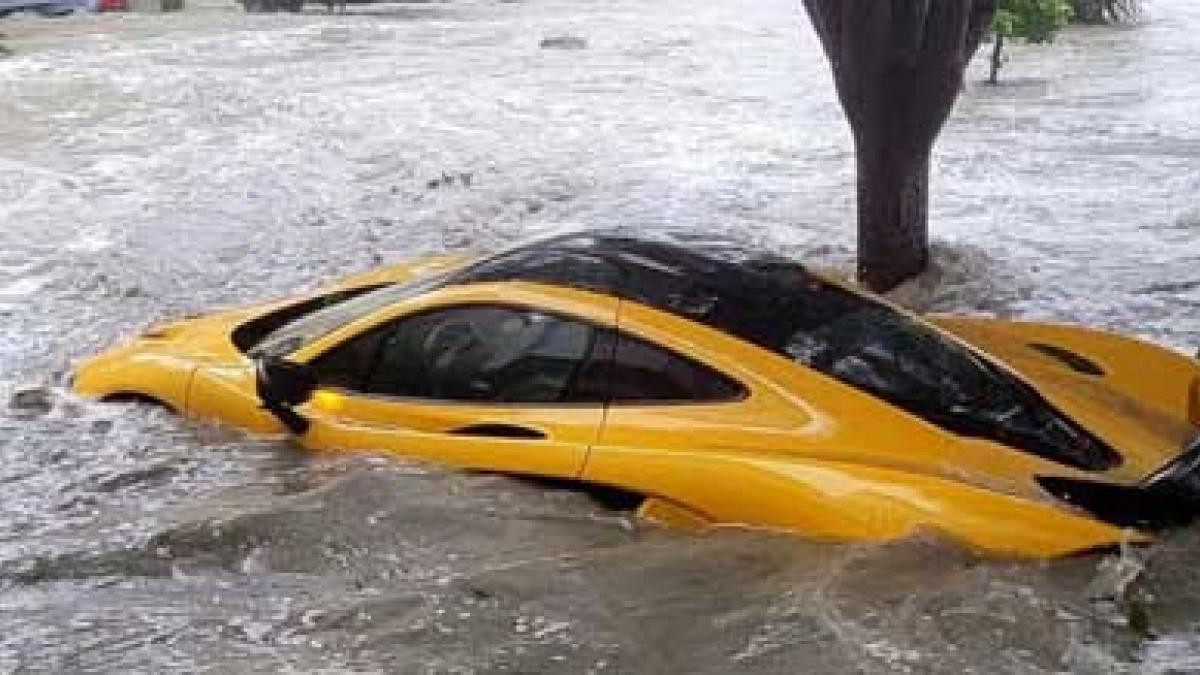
(997,59)
(1089,11)
(898,67)
(893,205)
(1104,11)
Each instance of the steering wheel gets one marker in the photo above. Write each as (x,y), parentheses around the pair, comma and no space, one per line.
(511,345)
(446,347)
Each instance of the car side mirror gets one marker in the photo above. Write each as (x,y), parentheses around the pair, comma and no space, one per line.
(281,385)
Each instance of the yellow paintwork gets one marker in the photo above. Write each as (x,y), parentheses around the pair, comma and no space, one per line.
(801,452)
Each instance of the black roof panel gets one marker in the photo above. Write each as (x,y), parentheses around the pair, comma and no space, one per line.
(714,281)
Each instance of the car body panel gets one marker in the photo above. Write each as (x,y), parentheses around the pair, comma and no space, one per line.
(345,420)
(845,501)
(160,362)
(800,451)
(441,432)
(141,369)
(1140,404)
(801,413)
(435,430)
(225,394)
(730,462)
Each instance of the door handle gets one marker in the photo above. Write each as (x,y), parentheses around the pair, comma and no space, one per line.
(497,430)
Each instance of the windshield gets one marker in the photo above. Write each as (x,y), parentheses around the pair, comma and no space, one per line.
(314,325)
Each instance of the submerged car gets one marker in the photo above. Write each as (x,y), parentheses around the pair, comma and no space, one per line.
(728,387)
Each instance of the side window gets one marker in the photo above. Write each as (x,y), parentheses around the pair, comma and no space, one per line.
(643,372)
(347,365)
(470,353)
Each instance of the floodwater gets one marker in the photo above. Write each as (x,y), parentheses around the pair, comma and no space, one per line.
(152,166)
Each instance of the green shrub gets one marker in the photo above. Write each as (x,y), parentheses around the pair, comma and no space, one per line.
(1035,21)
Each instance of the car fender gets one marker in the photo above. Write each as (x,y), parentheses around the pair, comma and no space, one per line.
(226,394)
(128,370)
(1152,374)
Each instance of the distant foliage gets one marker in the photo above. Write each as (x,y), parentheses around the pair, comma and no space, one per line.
(1105,11)
(1032,20)
(1035,21)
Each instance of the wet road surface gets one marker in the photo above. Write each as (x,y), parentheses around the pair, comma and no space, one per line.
(152,166)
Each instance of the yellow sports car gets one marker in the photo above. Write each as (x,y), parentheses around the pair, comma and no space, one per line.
(727,387)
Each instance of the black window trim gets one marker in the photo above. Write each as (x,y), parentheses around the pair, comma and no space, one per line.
(743,391)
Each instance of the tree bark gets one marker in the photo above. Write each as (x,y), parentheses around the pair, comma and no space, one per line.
(997,59)
(1104,11)
(898,68)
(893,187)
(1090,11)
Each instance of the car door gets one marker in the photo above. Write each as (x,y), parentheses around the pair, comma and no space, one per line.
(685,411)
(477,385)
(660,400)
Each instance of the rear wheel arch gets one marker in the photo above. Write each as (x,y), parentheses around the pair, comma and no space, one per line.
(138,398)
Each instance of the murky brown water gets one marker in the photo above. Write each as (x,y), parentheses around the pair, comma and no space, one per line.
(154,165)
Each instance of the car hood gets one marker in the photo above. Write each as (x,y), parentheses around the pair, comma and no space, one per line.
(1132,395)
(201,339)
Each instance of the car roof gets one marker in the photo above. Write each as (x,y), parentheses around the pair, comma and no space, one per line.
(715,281)
(610,260)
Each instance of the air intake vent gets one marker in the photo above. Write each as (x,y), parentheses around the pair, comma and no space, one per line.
(1151,507)
(1072,360)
